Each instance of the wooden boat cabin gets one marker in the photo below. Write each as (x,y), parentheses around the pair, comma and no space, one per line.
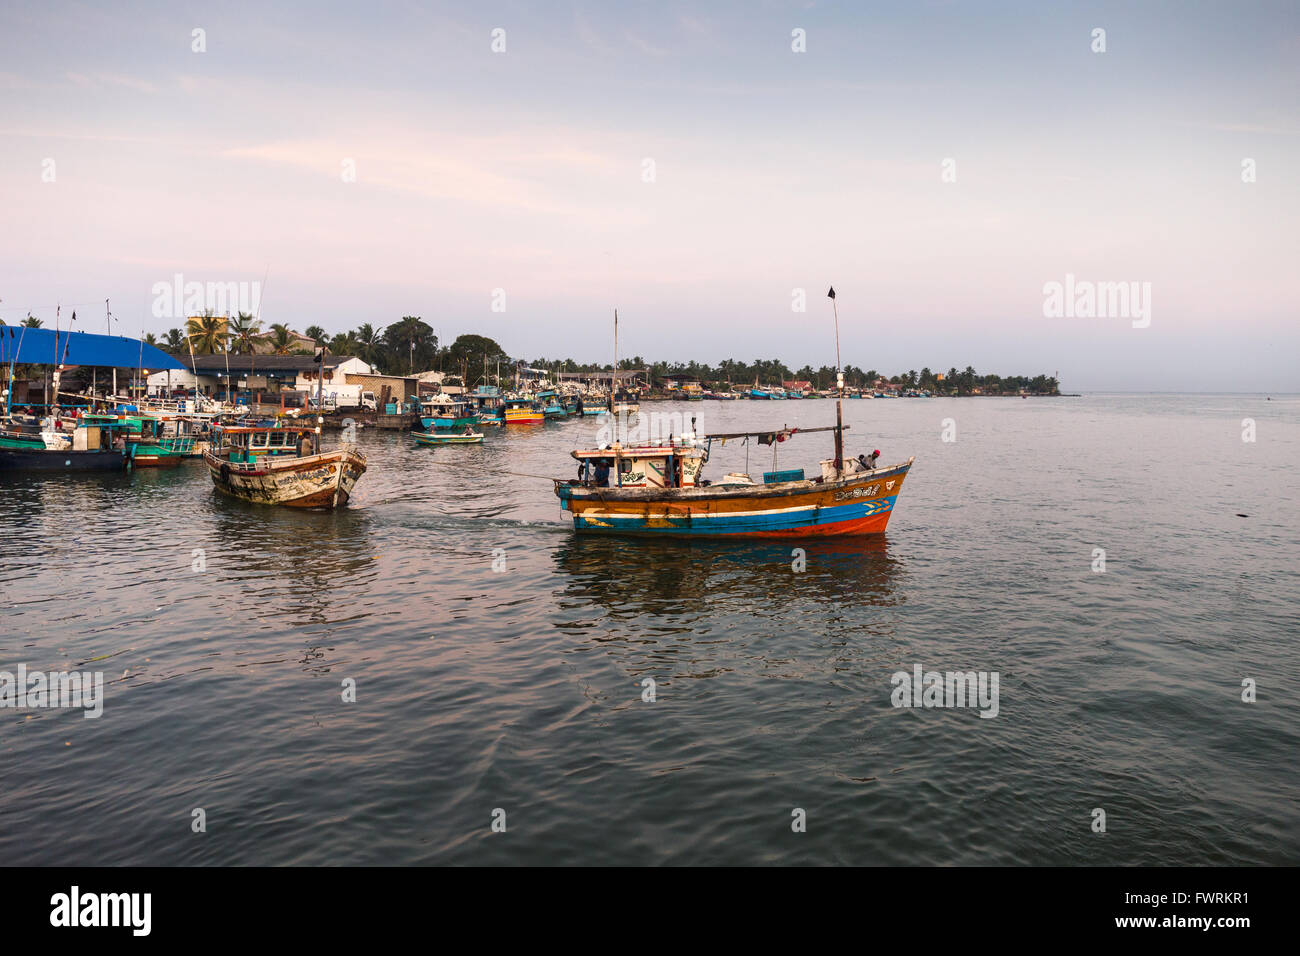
(642,466)
(248,444)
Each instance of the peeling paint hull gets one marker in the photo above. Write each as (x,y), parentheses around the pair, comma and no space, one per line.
(316,481)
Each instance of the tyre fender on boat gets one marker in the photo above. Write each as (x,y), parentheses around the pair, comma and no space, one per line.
(225,473)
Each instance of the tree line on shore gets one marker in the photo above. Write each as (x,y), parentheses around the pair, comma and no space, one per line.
(410,345)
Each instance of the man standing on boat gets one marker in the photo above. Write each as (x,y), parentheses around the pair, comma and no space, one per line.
(868,463)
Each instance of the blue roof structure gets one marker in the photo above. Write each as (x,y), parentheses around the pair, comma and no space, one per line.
(47,347)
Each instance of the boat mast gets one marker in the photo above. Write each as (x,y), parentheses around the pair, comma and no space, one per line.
(613,378)
(839,392)
(320,383)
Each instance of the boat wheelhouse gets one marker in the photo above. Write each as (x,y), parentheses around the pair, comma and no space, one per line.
(551,404)
(282,465)
(488,405)
(624,402)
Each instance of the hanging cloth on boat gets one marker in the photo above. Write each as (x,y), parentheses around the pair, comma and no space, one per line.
(767,438)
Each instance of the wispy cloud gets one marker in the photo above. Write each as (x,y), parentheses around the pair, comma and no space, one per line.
(101,80)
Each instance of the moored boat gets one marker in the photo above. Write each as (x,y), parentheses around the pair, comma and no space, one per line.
(443,411)
(95,446)
(552,406)
(522,411)
(153,449)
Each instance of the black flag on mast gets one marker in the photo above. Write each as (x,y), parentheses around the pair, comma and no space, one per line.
(831,294)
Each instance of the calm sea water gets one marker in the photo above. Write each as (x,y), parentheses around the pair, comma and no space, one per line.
(521,690)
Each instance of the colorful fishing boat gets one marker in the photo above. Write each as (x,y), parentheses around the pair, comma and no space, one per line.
(443,411)
(551,405)
(23,433)
(282,465)
(522,411)
(657,489)
(447,438)
(153,449)
(488,405)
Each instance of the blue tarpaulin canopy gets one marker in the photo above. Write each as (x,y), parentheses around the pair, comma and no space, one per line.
(47,347)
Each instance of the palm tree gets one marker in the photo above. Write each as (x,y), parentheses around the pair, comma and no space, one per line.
(315,333)
(32,322)
(175,341)
(367,342)
(208,332)
(281,338)
(345,343)
(244,328)
(151,339)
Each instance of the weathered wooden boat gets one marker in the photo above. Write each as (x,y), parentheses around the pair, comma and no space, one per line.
(95,446)
(447,438)
(281,465)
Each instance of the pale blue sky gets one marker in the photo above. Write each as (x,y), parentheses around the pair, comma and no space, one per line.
(774,170)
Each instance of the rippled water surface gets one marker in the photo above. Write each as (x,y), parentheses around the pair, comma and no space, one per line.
(521,690)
